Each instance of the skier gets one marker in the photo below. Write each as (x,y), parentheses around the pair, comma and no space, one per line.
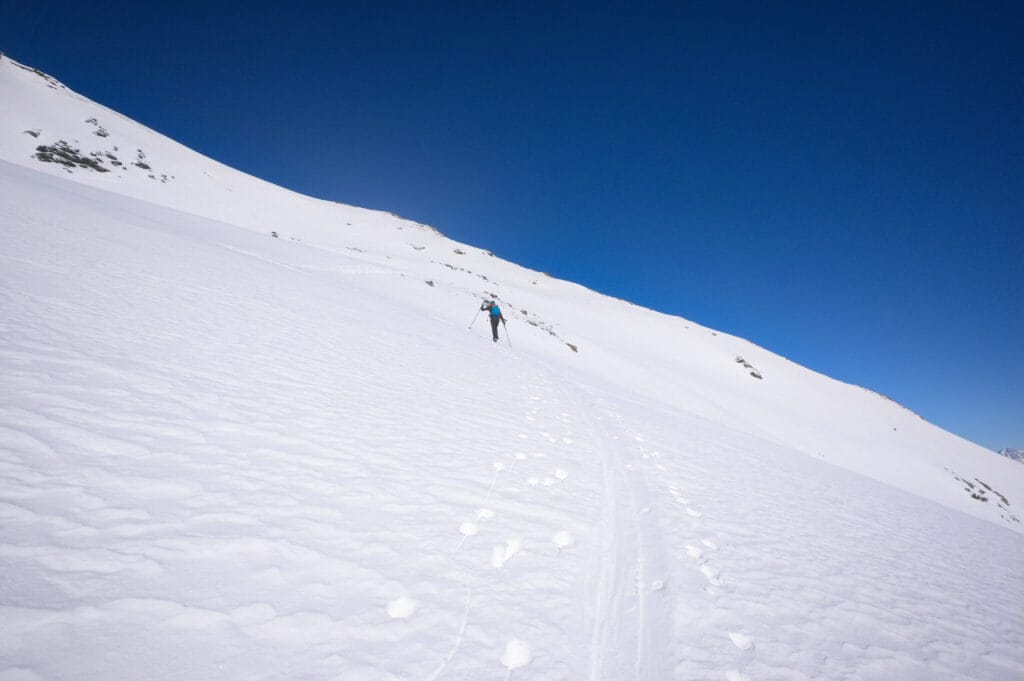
(495,316)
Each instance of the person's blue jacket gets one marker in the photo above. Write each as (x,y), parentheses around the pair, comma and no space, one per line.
(493,308)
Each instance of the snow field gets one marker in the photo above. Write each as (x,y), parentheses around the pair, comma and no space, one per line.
(222,483)
(271,471)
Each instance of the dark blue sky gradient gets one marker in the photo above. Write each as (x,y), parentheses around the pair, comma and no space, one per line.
(839,182)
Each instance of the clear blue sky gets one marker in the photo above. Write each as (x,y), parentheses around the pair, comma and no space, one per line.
(842,183)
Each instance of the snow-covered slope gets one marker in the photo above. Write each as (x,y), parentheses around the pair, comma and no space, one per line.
(226,455)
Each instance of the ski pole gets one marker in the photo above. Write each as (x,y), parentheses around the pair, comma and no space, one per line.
(474,319)
(506,335)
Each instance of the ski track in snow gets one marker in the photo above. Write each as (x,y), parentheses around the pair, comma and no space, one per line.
(625,640)
(290,470)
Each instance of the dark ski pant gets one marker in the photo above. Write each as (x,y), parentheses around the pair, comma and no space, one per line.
(494,327)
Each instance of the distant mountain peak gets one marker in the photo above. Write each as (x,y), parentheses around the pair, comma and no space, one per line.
(1015,454)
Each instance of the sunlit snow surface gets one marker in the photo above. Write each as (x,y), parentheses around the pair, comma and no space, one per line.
(225,455)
